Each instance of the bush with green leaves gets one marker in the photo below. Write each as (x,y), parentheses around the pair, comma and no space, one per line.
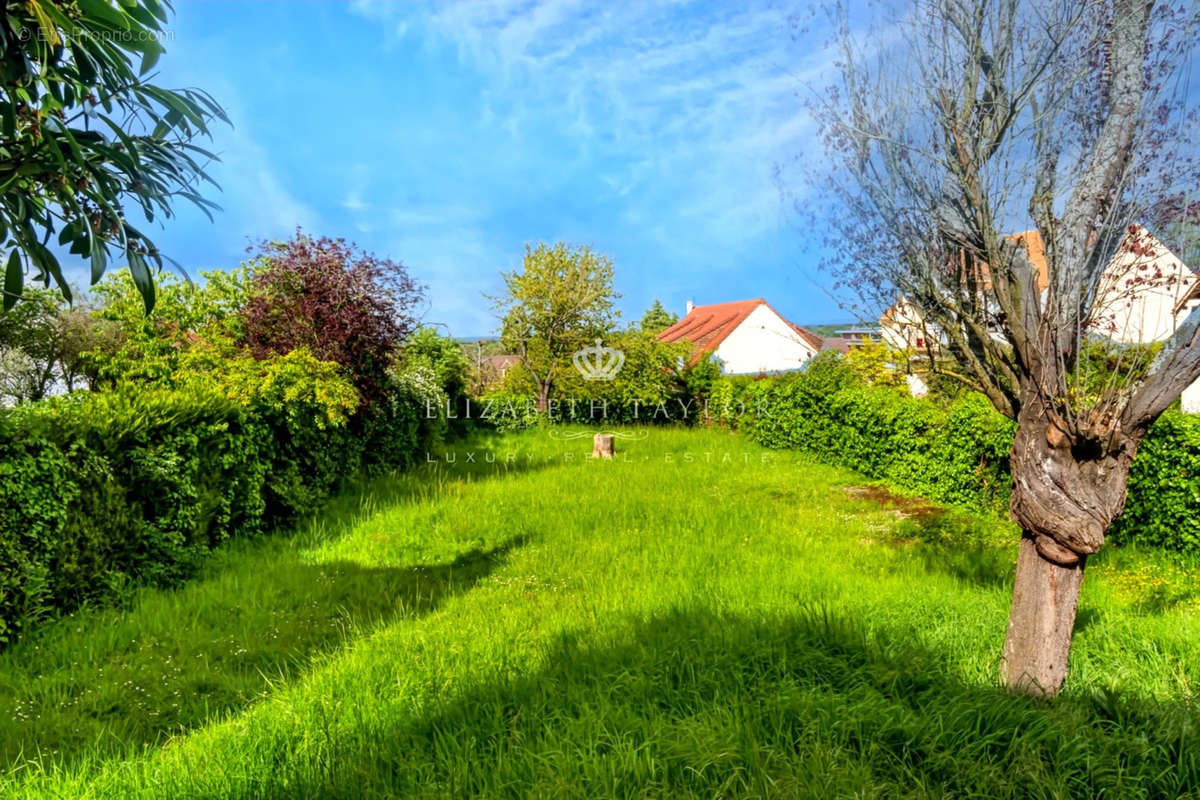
(435,373)
(510,411)
(441,355)
(1162,508)
(395,429)
(135,485)
(104,490)
(150,348)
(954,455)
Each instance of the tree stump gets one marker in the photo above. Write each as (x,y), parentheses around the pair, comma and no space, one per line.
(602,445)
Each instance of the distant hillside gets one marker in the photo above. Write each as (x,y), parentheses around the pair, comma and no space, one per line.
(830,329)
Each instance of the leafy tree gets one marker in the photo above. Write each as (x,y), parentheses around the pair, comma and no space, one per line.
(876,364)
(652,372)
(30,336)
(43,342)
(561,300)
(989,117)
(127,344)
(440,355)
(85,134)
(657,318)
(343,305)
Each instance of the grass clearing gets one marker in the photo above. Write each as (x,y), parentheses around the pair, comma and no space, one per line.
(699,617)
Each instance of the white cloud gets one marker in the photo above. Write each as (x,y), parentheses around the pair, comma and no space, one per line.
(354,199)
(699,94)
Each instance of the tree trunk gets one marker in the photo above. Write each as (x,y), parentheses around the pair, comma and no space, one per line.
(543,397)
(1045,596)
(1068,487)
(602,445)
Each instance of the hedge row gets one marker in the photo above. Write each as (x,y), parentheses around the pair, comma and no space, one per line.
(99,492)
(1163,507)
(958,454)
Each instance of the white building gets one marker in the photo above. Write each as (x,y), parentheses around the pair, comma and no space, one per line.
(902,327)
(1142,296)
(747,336)
(1145,293)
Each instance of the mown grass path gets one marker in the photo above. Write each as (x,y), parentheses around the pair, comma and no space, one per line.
(698,618)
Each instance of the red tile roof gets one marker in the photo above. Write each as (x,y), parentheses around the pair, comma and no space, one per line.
(838,343)
(708,326)
(1036,250)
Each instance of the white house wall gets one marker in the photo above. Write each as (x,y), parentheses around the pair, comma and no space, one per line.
(903,328)
(763,343)
(1137,296)
(1190,401)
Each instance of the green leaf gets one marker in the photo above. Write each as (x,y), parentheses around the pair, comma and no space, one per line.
(8,119)
(142,278)
(99,258)
(69,231)
(101,10)
(48,264)
(14,279)
(150,58)
(157,10)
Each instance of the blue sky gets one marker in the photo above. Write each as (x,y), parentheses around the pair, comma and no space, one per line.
(447,136)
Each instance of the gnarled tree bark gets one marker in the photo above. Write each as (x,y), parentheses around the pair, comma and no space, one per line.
(1067,491)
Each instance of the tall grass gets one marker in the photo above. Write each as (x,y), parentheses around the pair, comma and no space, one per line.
(699,617)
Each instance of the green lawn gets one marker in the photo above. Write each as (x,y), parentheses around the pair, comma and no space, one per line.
(698,618)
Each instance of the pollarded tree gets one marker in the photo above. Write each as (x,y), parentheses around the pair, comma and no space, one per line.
(86,135)
(561,300)
(973,120)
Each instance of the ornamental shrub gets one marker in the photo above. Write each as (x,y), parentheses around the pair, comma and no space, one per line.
(325,295)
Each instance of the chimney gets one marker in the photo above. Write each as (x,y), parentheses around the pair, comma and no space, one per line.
(690,306)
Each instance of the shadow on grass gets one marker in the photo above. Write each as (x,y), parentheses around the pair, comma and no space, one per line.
(947,540)
(979,564)
(364,496)
(708,705)
(112,680)
(206,650)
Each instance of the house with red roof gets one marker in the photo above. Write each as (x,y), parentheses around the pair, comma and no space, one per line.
(1142,296)
(747,336)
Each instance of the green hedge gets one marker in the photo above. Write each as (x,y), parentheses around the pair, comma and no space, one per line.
(956,454)
(104,491)
(1163,506)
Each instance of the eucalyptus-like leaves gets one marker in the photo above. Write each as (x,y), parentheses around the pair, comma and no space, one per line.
(85,135)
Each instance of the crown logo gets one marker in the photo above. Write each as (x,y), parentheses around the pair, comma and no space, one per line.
(597,362)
